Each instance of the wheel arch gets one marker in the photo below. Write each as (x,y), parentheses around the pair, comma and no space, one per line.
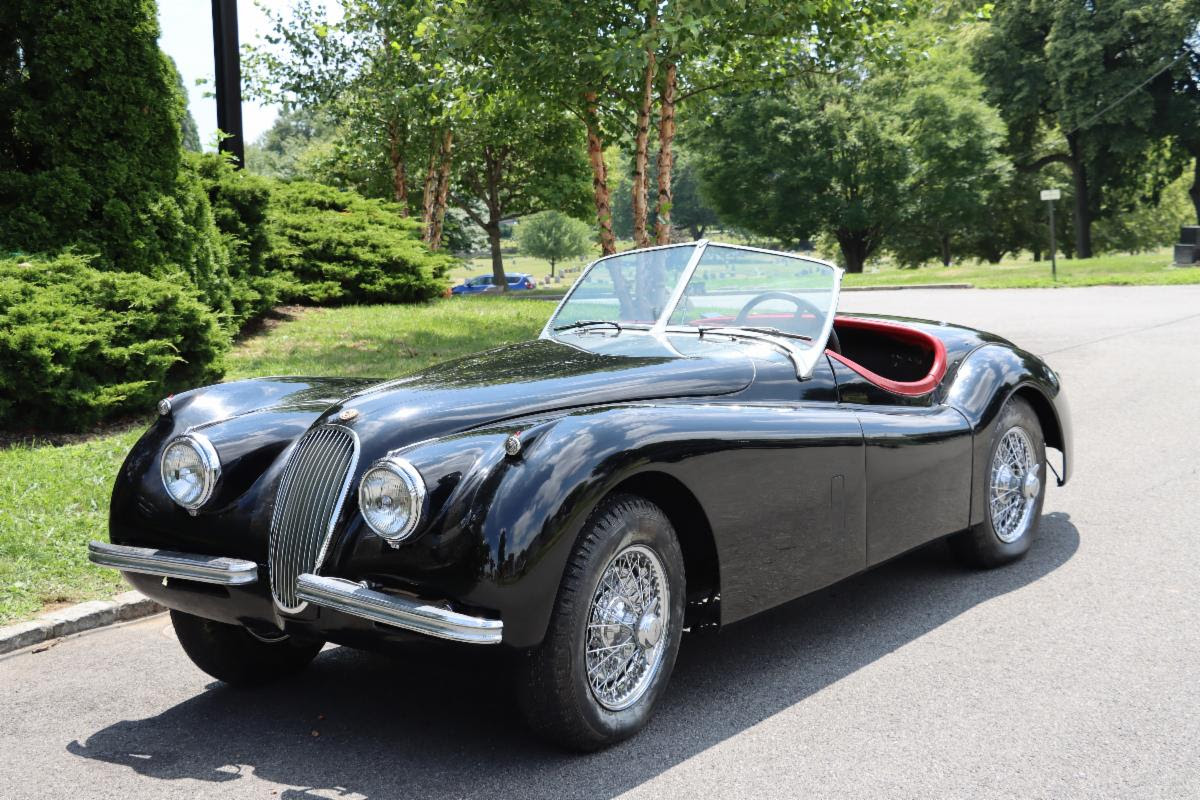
(686,514)
(1051,427)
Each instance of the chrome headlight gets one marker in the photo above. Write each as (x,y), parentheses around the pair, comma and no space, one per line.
(391,495)
(190,469)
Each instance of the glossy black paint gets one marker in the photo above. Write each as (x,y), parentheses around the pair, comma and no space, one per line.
(777,486)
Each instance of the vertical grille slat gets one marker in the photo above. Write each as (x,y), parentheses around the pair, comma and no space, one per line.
(310,498)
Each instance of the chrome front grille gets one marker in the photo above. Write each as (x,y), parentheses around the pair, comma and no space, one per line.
(311,494)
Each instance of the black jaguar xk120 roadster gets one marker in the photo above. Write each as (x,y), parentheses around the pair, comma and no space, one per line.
(695,437)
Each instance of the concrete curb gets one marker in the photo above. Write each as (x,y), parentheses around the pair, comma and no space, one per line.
(75,619)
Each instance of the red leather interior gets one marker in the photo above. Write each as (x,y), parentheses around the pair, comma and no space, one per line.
(903,333)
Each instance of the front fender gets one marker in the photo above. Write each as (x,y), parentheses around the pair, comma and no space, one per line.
(985,381)
(500,536)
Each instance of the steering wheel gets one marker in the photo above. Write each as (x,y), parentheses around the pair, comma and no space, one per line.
(802,307)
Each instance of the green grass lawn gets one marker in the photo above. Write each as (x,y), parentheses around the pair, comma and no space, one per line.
(54,498)
(1024,272)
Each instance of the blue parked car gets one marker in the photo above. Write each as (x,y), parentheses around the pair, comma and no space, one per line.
(483,283)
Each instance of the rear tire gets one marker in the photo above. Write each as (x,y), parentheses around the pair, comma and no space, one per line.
(1014,494)
(614,632)
(233,654)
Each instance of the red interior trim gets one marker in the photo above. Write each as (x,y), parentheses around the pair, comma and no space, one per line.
(905,334)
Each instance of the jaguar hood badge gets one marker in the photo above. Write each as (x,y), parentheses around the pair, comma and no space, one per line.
(347,414)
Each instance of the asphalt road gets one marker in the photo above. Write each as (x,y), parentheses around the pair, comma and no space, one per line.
(1074,673)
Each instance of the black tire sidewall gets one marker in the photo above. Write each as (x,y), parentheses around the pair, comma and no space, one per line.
(641,523)
(230,653)
(1017,413)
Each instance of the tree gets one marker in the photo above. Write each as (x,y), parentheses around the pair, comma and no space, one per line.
(689,209)
(608,61)
(955,141)
(189,130)
(383,71)
(290,146)
(1070,80)
(89,136)
(516,159)
(554,236)
(788,165)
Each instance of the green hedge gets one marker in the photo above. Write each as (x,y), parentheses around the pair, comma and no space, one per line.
(79,344)
(240,202)
(342,248)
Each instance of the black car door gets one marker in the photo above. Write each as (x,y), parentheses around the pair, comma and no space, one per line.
(918,465)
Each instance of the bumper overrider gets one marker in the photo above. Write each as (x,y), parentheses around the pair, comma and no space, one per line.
(336,594)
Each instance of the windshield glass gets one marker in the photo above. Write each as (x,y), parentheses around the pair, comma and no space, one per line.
(733,290)
(755,289)
(632,289)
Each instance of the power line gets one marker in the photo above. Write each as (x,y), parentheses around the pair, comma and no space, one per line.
(1126,96)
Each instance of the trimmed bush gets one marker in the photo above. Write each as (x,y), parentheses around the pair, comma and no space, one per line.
(78,344)
(342,248)
(239,201)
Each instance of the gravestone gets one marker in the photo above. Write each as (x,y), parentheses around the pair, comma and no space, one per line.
(1187,252)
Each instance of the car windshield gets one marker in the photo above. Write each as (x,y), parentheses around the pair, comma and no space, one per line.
(482,280)
(708,288)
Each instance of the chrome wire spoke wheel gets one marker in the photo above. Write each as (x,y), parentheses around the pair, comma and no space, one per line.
(627,624)
(1014,486)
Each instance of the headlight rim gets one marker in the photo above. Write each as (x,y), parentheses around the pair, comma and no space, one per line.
(208,459)
(411,477)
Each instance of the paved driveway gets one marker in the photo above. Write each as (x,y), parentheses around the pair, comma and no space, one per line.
(1075,673)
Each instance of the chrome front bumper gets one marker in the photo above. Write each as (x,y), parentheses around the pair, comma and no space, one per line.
(356,599)
(169,564)
(333,593)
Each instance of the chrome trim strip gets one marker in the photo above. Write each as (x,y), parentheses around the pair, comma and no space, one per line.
(170,564)
(355,599)
(660,325)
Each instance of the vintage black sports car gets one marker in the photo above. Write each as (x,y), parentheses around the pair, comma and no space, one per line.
(695,437)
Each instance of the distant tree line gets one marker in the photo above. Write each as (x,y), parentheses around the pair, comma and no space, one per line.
(921,129)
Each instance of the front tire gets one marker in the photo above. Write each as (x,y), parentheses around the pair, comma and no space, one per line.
(231,653)
(1014,493)
(614,632)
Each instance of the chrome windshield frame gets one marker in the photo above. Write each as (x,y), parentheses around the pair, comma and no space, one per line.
(805,359)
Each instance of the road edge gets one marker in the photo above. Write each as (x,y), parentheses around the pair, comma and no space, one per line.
(76,619)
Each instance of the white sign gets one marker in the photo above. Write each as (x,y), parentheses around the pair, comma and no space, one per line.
(1051,194)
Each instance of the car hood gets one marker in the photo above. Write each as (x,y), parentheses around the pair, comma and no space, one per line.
(534,377)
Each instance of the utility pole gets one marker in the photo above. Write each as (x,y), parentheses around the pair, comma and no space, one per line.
(1050,195)
(229,79)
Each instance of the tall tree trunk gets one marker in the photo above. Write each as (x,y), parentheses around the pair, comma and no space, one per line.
(499,279)
(642,141)
(430,189)
(493,171)
(443,191)
(1083,211)
(608,242)
(945,248)
(666,157)
(1194,192)
(855,249)
(399,168)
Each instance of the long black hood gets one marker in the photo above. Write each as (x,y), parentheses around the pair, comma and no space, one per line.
(535,377)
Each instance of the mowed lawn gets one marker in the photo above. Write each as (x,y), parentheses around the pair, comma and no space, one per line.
(54,498)
(1023,272)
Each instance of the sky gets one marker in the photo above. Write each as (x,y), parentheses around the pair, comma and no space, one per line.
(186,36)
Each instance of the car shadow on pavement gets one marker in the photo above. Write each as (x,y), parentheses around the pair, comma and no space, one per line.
(441,724)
